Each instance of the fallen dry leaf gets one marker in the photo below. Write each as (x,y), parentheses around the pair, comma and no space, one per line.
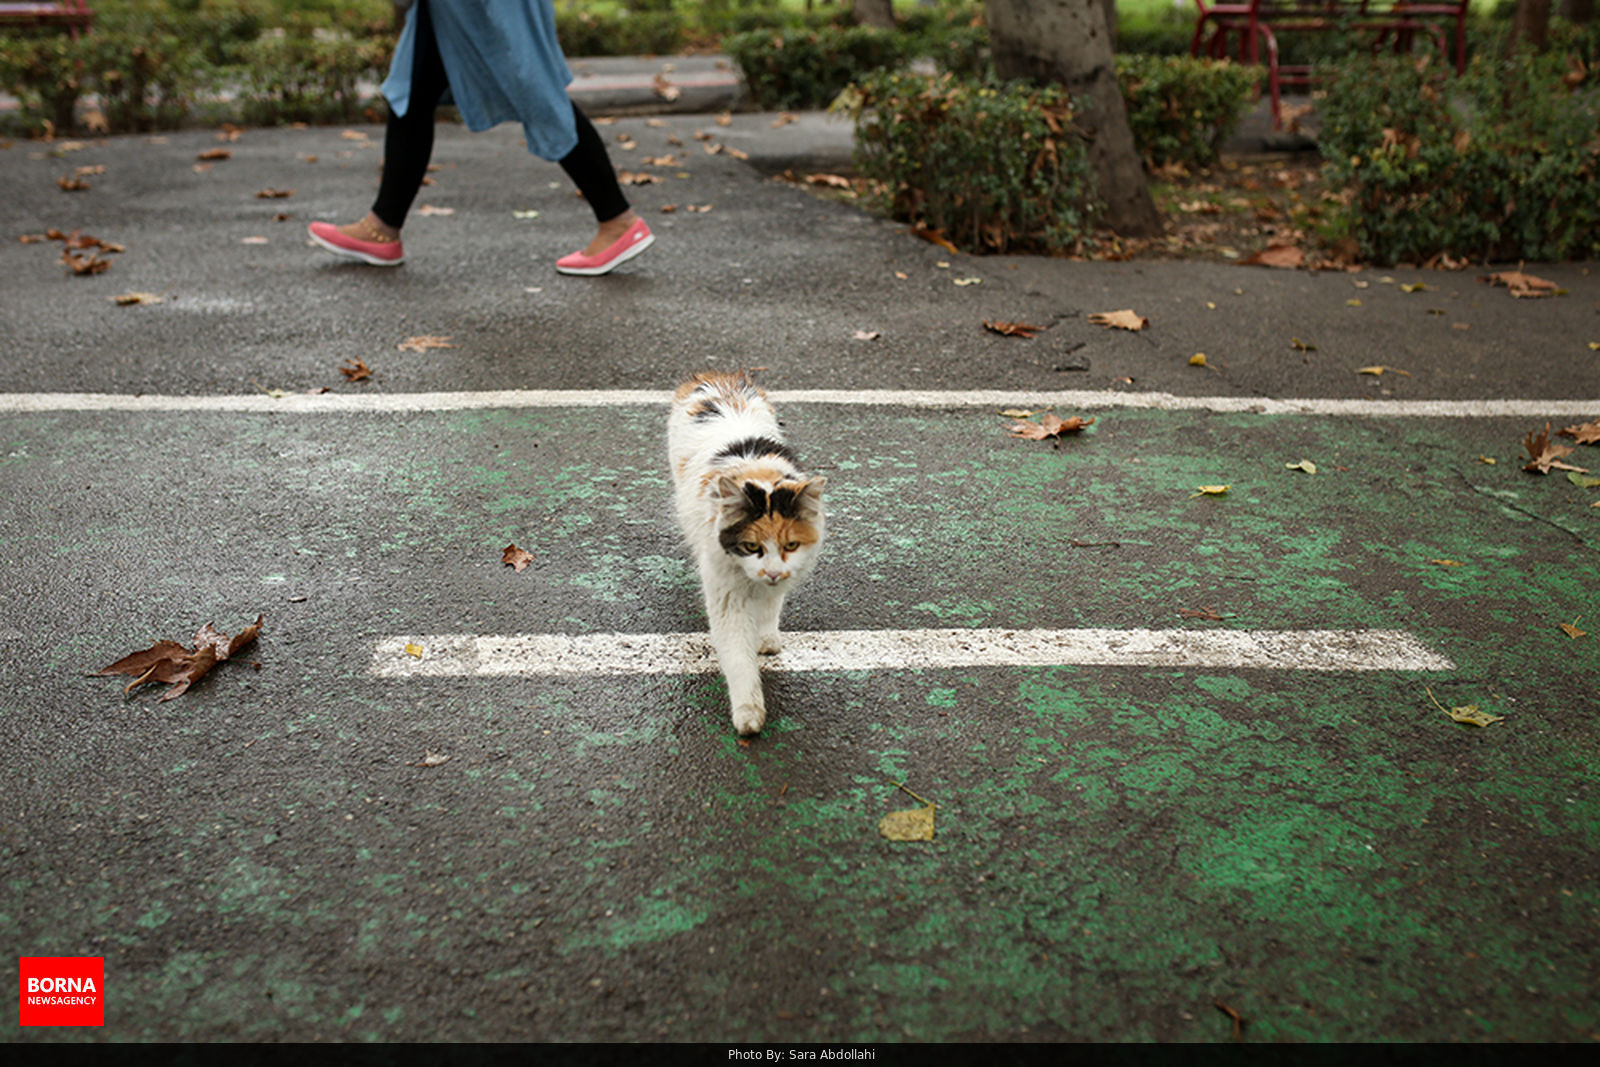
(1301,346)
(1209,490)
(423,342)
(213,154)
(1447,563)
(1520,284)
(434,209)
(1280,255)
(1049,425)
(1126,319)
(665,89)
(430,759)
(1545,455)
(274,194)
(1304,465)
(1012,329)
(1469,714)
(517,558)
(934,237)
(724,119)
(72,183)
(1198,360)
(1571,629)
(1381,371)
(125,299)
(84,264)
(914,824)
(1586,434)
(171,664)
(355,370)
(632,177)
(784,118)
(837,181)
(865,335)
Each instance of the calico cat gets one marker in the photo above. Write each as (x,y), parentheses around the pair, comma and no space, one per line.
(752,518)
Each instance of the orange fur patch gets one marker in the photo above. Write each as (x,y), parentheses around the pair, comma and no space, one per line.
(781,531)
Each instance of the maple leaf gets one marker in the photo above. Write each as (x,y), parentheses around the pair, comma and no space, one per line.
(1586,434)
(172,664)
(1545,455)
(355,370)
(1048,426)
(516,558)
(423,342)
(1277,255)
(1012,329)
(1126,319)
(1520,284)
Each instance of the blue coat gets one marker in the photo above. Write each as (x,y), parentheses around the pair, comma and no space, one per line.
(504,64)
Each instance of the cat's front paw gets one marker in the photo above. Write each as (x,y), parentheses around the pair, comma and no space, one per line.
(770,645)
(749,718)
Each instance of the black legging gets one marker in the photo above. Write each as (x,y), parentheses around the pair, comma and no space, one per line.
(408,143)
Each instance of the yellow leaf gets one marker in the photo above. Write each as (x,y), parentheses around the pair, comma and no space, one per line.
(1473,717)
(1447,562)
(1380,371)
(1594,346)
(1490,460)
(914,824)
(1209,490)
(1197,360)
(1353,302)
(1415,287)
(414,651)
(1304,465)
(1301,346)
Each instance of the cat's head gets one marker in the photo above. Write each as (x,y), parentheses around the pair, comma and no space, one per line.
(771,530)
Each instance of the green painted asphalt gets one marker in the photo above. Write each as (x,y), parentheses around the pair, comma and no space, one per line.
(1118,850)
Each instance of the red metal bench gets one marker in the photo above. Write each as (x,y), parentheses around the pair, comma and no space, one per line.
(1255,24)
(70,15)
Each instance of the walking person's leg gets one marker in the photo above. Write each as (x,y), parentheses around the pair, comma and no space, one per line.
(407,148)
(621,233)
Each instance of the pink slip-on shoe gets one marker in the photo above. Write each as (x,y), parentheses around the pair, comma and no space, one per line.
(636,240)
(378,253)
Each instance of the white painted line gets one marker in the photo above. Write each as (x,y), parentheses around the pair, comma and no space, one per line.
(455,655)
(382,403)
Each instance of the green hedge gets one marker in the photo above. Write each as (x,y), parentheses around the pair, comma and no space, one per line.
(1501,164)
(1182,109)
(786,70)
(997,170)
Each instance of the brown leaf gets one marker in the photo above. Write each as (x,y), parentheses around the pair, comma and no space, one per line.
(211,154)
(1048,426)
(1126,319)
(936,237)
(517,559)
(1012,329)
(72,183)
(171,664)
(631,177)
(1586,434)
(355,370)
(665,89)
(423,342)
(1278,255)
(1545,455)
(274,194)
(837,181)
(125,299)
(1520,284)
(84,264)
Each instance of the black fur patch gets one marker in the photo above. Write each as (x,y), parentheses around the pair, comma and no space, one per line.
(757,447)
(785,502)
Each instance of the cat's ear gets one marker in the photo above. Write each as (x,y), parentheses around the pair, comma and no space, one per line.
(809,497)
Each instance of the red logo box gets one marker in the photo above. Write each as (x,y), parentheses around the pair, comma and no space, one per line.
(63,991)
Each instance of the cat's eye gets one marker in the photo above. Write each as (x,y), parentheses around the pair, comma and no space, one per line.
(792,546)
(750,548)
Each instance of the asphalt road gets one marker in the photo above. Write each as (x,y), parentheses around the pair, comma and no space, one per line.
(325,841)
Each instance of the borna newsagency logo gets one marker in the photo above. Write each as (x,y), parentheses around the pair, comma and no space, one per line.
(63,991)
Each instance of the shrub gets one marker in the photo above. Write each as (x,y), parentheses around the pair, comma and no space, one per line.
(583,33)
(806,69)
(991,169)
(307,77)
(43,73)
(1500,164)
(1181,109)
(146,71)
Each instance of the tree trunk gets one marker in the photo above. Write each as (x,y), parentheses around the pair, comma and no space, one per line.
(1530,27)
(1066,42)
(876,13)
(1580,12)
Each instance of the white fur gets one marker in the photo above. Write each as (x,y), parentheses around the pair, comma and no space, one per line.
(744,595)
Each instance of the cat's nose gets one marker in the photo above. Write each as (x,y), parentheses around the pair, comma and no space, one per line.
(774,577)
